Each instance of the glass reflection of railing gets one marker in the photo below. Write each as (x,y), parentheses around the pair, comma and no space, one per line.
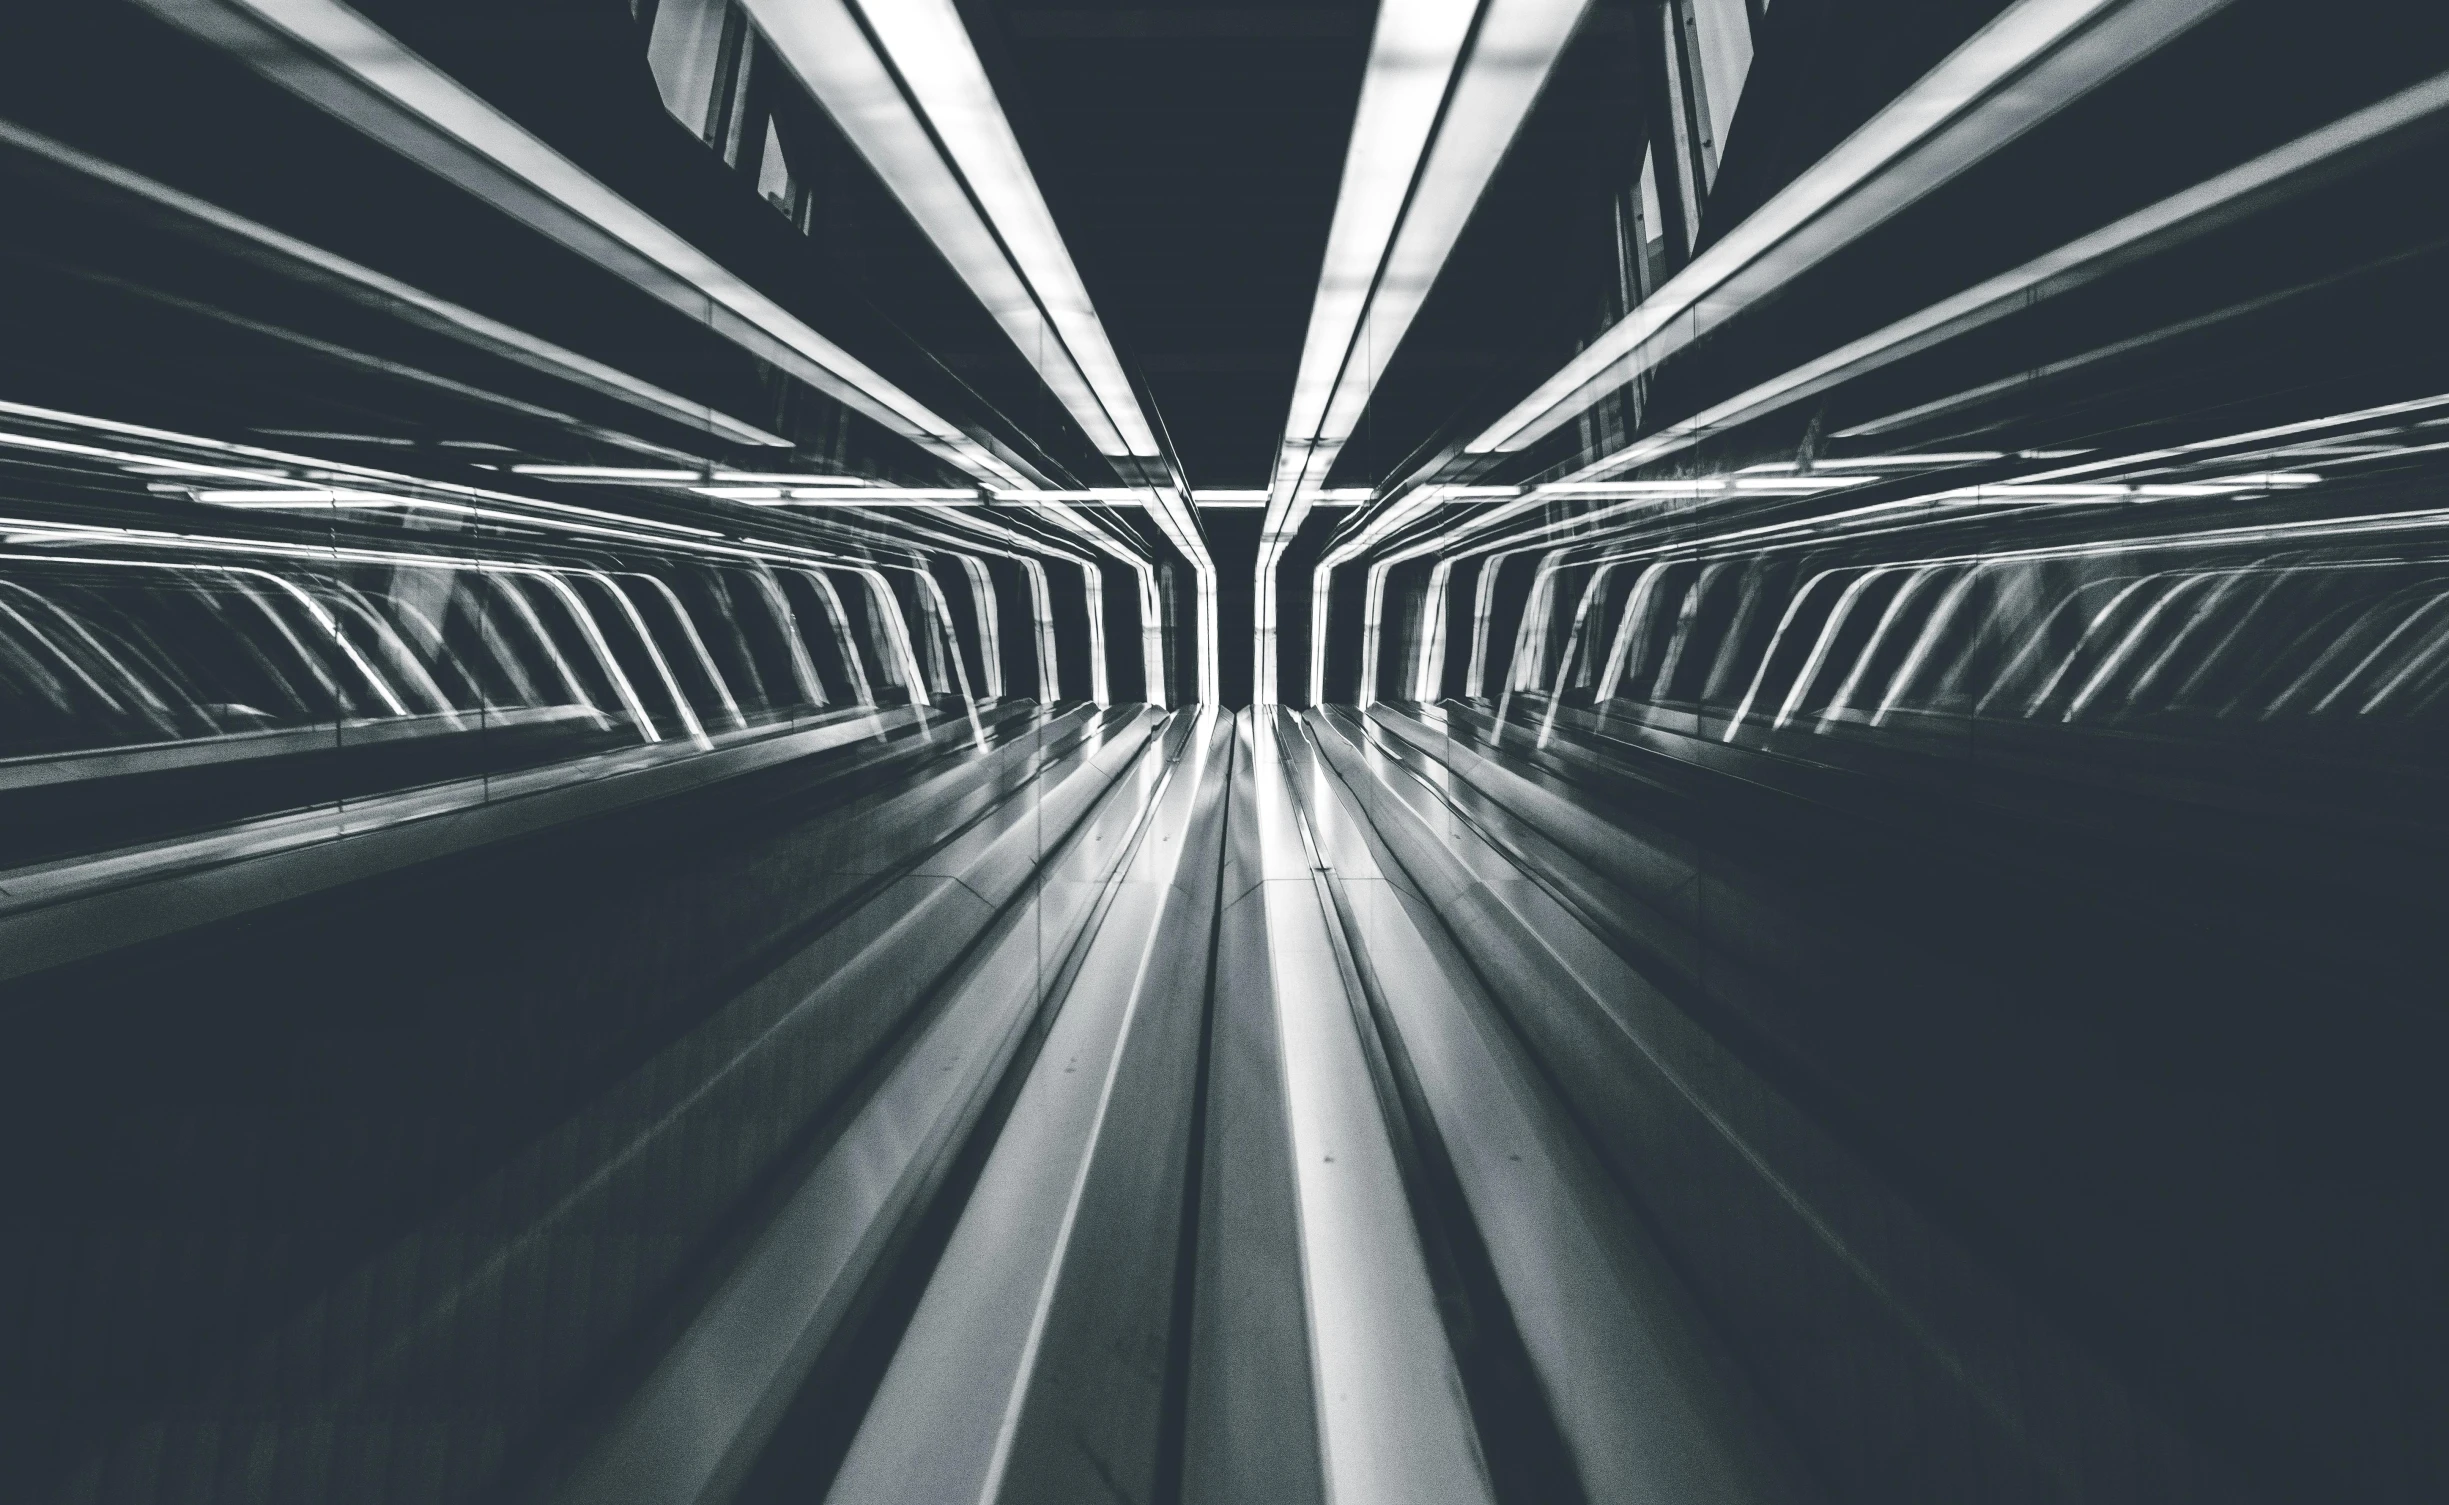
(2227,618)
(2168,637)
(192,632)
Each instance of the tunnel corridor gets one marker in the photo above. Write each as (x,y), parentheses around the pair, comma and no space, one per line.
(1321,752)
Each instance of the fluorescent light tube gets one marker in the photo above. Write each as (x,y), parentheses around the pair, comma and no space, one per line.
(604,473)
(1429,130)
(1011,255)
(335,58)
(2028,63)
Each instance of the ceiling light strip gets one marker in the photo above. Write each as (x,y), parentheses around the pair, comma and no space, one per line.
(2206,206)
(555,516)
(2217,201)
(2033,60)
(947,152)
(1412,54)
(335,58)
(1447,87)
(933,53)
(1511,55)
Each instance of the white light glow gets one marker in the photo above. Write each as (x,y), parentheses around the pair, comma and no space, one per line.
(1878,462)
(525,512)
(1517,43)
(412,304)
(1800,483)
(788,478)
(1873,462)
(2025,65)
(1430,127)
(928,44)
(322,499)
(343,63)
(604,473)
(1012,256)
(1412,57)
(865,496)
(2171,221)
(1108,496)
(948,153)
(1632,488)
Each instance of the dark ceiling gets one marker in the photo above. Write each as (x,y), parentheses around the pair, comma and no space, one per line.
(1191,154)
